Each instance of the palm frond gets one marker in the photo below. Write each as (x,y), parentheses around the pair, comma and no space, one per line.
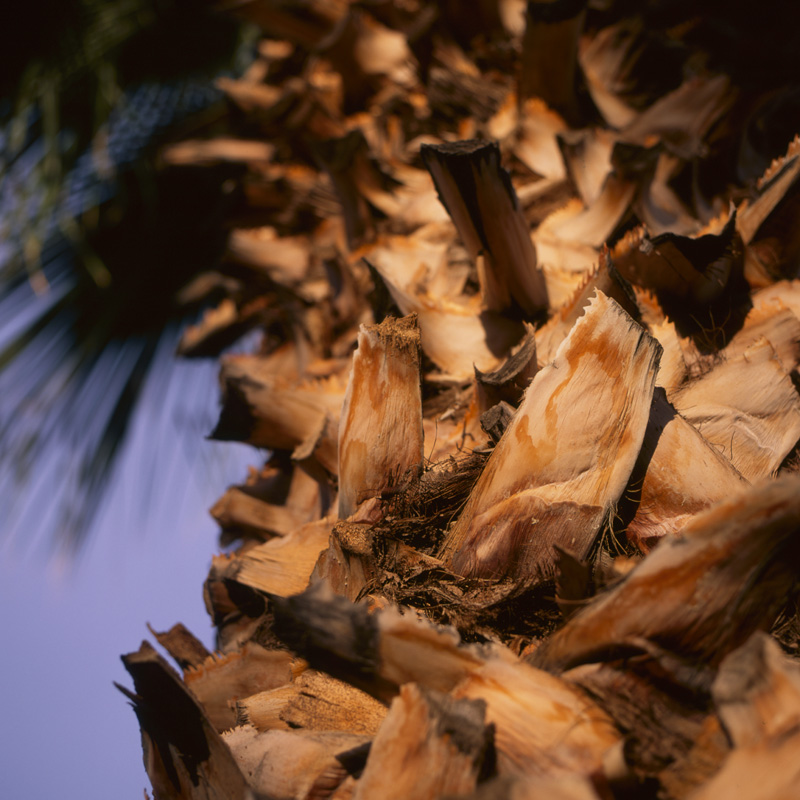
(95,242)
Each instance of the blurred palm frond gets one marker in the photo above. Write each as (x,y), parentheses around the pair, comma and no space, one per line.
(95,240)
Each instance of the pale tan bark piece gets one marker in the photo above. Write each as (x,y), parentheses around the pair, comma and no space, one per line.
(222,679)
(686,112)
(564,262)
(591,225)
(315,701)
(267,410)
(560,729)
(258,97)
(428,745)
(603,277)
(421,259)
(213,151)
(380,432)
(283,566)
(182,645)
(769,770)
(565,787)
(543,726)
(697,594)
(215,323)
(683,474)
(748,408)
(283,259)
(604,60)
(772,320)
(587,156)
(185,757)
(240,510)
(786,292)
(774,186)
(757,692)
(565,459)
(457,336)
(286,765)
(536,143)
(673,369)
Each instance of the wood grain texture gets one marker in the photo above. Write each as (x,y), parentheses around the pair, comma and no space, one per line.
(565,459)
(185,757)
(678,474)
(380,434)
(698,595)
(748,408)
(443,741)
(477,193)
(283,566)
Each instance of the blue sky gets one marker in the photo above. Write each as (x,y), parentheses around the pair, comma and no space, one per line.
(66,731)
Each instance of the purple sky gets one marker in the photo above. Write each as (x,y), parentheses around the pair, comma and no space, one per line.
(66,731)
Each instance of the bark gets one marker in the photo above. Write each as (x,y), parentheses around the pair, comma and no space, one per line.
(529,505)
(561,466)
(478,194)
(380,435)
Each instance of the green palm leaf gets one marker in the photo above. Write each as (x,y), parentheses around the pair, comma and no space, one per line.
(85,317)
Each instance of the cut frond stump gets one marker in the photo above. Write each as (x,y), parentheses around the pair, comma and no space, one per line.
(567,456)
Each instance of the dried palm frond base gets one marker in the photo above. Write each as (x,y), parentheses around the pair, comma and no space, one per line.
(532,508)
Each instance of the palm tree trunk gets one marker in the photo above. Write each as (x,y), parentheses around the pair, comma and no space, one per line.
(530,520)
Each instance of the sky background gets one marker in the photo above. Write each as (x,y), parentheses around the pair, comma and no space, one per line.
(66,731)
